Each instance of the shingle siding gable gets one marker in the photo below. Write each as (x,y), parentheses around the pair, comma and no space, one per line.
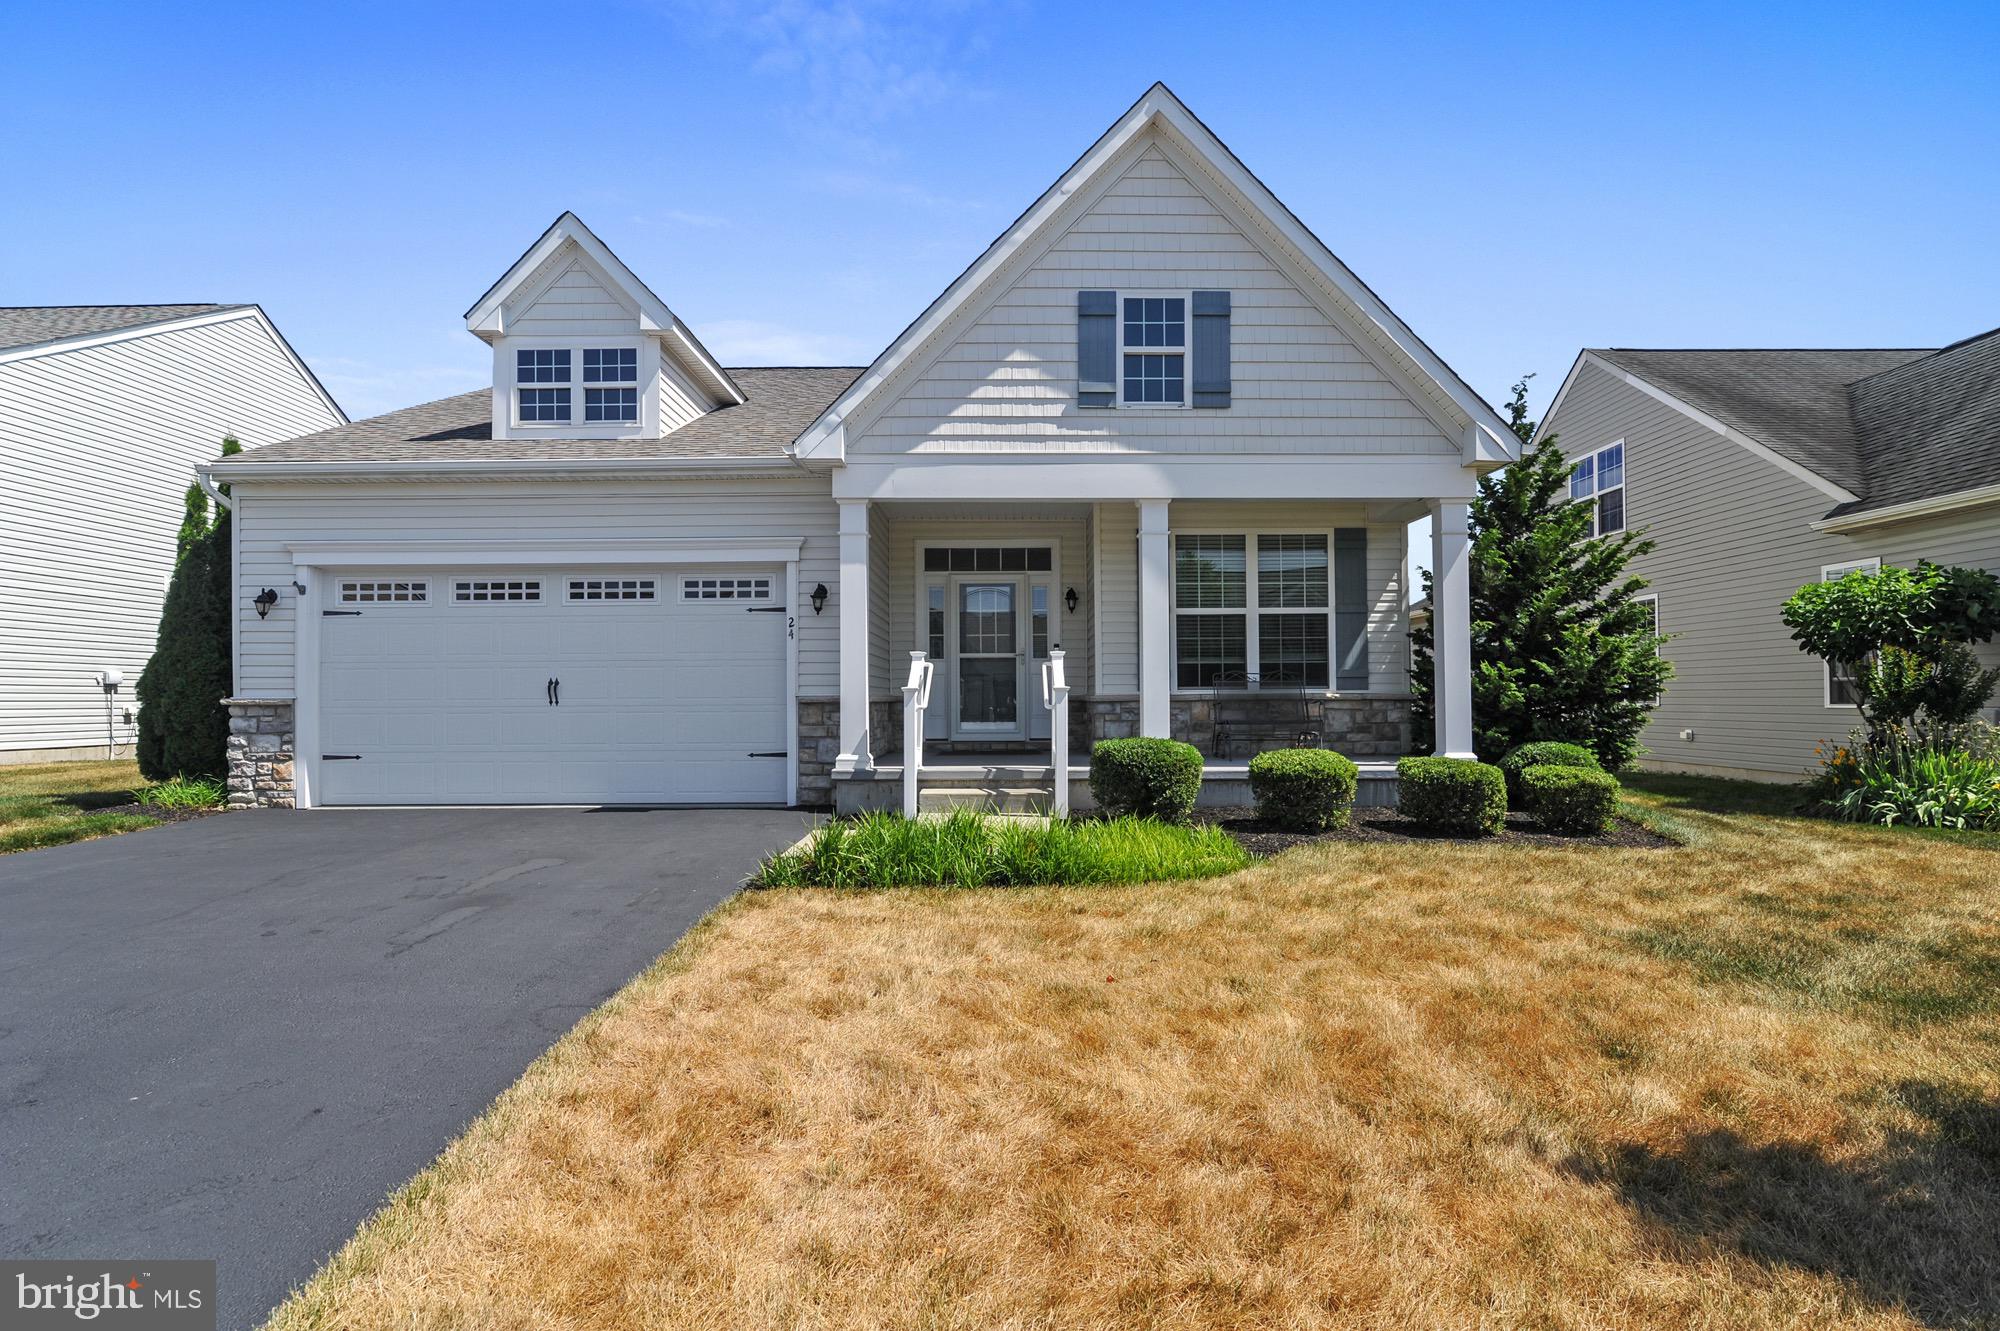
(1005,381)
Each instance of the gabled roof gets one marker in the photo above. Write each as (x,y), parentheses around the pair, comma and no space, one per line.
(1885,432)
(1486,437)
(486,315)
(31,325)
(779,403)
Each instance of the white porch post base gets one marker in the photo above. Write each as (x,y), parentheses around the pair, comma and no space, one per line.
(1451,621)
(852,608)
(1155,623)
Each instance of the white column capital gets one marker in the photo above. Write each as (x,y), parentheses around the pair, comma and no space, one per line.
(1152,517)
(1451,515)
(853,517)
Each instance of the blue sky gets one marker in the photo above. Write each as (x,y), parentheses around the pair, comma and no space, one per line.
(799,179)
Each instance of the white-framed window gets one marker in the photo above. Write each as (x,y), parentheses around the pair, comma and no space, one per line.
(1841,689)
(601,590)
(548,381)
(1232,630)
(1652,603)
(383,591)
(1152,349)
(487,591)
(1599,480)
(725,589)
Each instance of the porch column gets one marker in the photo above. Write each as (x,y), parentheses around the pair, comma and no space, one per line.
(852,607)
(1156,653)
(1451,628)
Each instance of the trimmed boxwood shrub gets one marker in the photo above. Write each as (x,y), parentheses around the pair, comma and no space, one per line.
(1542,753)
(1452,795)
(1147,778)
(1303,790)
(1570,801)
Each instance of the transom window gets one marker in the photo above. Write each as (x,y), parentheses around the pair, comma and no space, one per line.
(1599,480)
(987,559)
(613,589)
(725,589)
(484,590)
(368,592)
(1226,637)
(1153,346)
(546,383)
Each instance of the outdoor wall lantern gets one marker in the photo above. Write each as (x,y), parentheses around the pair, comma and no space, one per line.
(265,600)
(819,598)
(1069,599)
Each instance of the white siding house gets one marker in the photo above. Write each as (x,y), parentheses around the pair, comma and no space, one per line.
(104,412)
(1146,467)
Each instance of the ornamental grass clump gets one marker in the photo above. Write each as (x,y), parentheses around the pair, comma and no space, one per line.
(1452,795)
(1304,790)
(1542,753)
(1570,801)
(968,849)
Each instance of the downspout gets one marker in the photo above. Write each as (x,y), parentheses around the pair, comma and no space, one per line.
(207,484)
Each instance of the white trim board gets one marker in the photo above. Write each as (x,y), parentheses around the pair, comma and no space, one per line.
(508,554)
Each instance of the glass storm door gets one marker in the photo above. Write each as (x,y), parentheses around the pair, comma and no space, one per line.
(989,657)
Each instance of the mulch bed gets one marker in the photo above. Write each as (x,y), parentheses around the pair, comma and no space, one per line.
(154,811)
(1388,826)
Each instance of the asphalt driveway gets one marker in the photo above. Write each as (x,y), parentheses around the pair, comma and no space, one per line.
(233,1038)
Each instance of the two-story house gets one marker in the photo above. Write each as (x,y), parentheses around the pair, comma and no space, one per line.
(104,409)
(1148,465)
(1756,472)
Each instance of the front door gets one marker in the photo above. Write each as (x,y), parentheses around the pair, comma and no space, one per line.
(990,658)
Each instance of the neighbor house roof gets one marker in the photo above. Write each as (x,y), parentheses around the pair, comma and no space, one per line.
(1889,426)
(30,325)
(780,403)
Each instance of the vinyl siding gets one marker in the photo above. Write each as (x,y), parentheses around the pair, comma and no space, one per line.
(1118,585)
(1735,540)
(576,304)
(99,445)
(272,516)
(1005,379)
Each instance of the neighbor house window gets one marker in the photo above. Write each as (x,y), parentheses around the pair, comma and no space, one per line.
(546,385)
(1842,690)
(1652,604)
(1153,347)
(1599,480)
(1233,630)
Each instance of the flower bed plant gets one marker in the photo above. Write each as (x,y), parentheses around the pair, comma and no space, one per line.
(1571,801)
(1304,790)
(1452,795)
(1946,778)
(967,849)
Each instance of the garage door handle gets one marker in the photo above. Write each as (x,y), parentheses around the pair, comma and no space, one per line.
(340,757)
(769,753)
(555,692)
(332,613)
(766,610)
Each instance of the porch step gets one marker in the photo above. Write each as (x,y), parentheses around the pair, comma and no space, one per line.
(985,798)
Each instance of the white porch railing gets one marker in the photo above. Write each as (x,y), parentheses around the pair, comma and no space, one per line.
(916,697)
(1055,697)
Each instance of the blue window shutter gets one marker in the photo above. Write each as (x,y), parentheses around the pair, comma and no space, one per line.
(1096,348)
(1211,349)
(1350,608)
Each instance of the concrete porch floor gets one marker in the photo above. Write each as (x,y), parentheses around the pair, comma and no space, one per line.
(1225,782)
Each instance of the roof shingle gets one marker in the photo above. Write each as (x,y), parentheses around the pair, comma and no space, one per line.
(29,325)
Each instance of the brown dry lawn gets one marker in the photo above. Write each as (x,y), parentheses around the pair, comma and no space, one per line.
(1754,1082)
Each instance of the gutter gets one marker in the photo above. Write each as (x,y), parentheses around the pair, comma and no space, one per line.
(1915,508)
(207,484)
(476,468)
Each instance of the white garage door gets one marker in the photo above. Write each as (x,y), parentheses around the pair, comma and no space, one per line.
(660,686)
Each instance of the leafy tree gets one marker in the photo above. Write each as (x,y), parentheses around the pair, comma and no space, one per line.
(1909,630)
(1561,647)
(183,728)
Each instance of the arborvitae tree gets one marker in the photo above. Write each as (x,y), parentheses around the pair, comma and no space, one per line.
(183,727)
(1561,649)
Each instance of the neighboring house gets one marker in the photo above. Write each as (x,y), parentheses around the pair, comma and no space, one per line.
(1157,424)
(104,411)
(1758,472)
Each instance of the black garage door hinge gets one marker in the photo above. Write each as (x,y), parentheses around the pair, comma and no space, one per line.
(340,757)
(769,753)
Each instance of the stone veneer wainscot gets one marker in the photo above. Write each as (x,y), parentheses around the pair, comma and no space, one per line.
(260,753)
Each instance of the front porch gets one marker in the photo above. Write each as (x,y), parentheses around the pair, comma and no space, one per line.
(1001,641)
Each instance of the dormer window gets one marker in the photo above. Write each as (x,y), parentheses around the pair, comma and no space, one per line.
(545,385)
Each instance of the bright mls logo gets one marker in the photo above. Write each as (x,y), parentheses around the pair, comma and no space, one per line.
(145,1296)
